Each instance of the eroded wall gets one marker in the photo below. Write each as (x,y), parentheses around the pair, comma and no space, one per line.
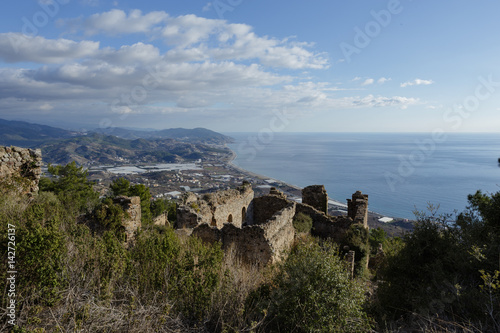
(357,208)
(20,169)
(316,196)
(216,209)
(262,243)
(131,205)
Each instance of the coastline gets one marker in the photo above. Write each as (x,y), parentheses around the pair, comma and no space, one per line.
(334,204)
(397,227)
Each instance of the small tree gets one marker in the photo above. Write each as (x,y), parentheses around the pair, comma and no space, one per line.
(71,186)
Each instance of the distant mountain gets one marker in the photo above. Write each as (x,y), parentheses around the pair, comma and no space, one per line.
(21,133)
(106,149)
(115,145)
(181,134)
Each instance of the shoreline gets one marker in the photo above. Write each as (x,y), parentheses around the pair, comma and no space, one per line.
(331,202)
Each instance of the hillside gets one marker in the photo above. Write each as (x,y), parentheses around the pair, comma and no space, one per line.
(182,134)
(20,133)
(107,149)
(113,145)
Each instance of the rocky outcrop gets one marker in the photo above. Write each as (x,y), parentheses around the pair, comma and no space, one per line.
(20,169)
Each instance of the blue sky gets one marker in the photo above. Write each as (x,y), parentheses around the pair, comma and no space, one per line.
(253,65)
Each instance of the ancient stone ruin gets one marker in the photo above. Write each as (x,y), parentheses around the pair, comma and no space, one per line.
(316,196)
(20,169)
(357,208)
(215,209)
(260,230)
(132,206)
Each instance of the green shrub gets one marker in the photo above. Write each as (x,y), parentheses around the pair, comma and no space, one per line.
(40,247)
(121,186)
(302,223)
(357,239)
(110,216)
(442,267)
(313,292)
(188,273)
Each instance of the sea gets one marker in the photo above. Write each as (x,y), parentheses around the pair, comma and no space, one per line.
(401,172)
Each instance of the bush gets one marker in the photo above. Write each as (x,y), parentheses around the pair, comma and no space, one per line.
(121,186)
(187,273)
(302,223)
(313,292)
(40,247)
(71,186)
(446,269)
(110,216)
(357,239)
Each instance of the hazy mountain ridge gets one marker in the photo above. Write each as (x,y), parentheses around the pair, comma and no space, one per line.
(182,134)
(31,135)
(61,146)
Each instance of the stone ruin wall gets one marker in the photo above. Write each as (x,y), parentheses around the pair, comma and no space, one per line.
(266,206)
(325,226)
(216,209)
(261,243)
(161,220)
(21,168)
(316,196)
(357,208)
(131,205)
(268,229)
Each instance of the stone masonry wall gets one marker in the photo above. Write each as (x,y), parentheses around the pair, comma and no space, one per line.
(266,206)
(316,196)
(325,226)
(215,209)
(132,205)
(357,208)
(255,244)
(21,168)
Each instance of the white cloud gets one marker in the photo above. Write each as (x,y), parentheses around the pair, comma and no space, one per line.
(383,80)
(357,78)
(416,82)
(382,101)
(194,38)
(138,53)
(367,82)
(189,65)
(16,47)
(116,22)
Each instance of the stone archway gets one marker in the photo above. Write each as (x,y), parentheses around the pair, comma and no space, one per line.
(243,215)
(230,218)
